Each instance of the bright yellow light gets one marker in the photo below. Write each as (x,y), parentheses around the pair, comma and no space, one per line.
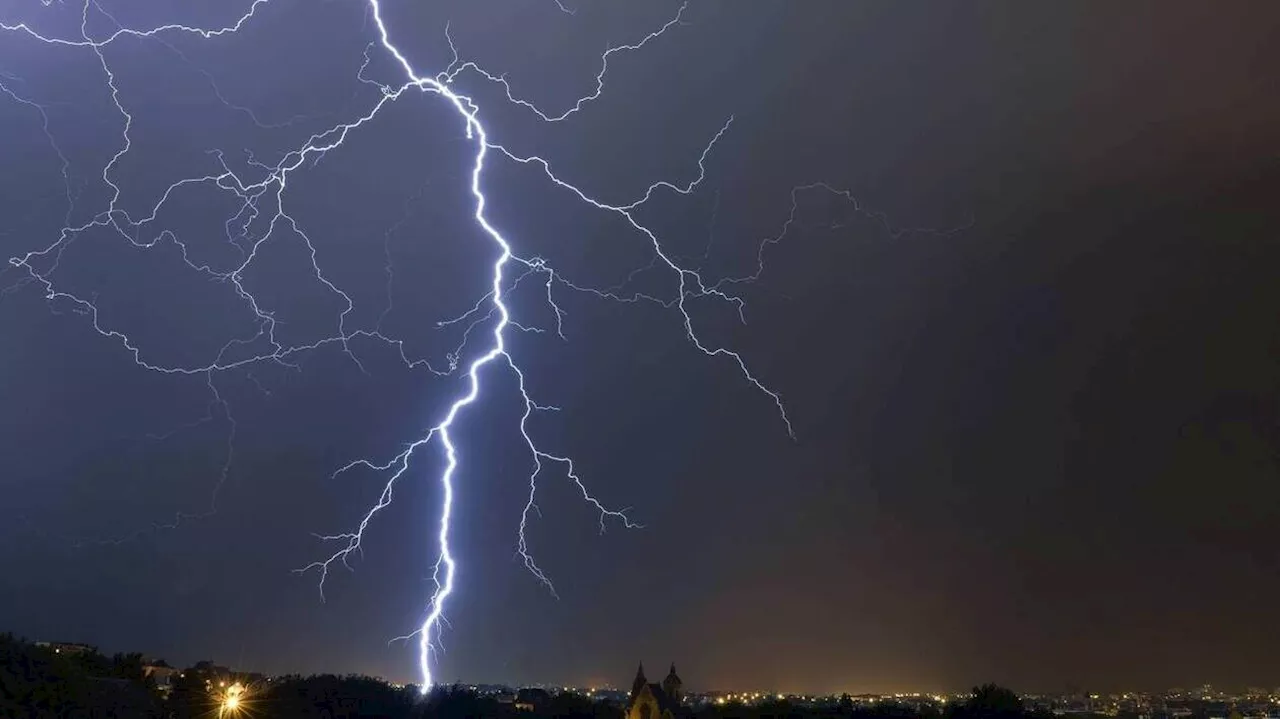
(232,700)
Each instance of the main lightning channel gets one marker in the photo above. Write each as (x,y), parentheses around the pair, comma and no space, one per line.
(476,132)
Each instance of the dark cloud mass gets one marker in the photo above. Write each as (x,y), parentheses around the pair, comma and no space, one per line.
(1042,450)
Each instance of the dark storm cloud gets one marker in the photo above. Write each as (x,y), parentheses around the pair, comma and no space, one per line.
(1042,450)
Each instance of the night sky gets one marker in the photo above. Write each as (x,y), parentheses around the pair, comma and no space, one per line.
(1042,449)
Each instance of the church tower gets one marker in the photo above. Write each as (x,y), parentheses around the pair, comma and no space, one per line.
(639,683)
(673,686)
(656,701)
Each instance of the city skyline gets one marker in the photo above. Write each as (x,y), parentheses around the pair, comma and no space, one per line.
(1194,690)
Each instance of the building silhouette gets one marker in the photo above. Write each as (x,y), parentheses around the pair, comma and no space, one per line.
(656,701)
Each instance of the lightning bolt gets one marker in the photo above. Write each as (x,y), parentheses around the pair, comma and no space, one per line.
(260,189)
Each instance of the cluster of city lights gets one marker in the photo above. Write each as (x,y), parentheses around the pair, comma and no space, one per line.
(751,697)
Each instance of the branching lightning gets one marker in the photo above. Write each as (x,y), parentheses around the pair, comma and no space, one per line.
(261,192)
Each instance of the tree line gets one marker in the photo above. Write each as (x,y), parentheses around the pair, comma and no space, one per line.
(38,682)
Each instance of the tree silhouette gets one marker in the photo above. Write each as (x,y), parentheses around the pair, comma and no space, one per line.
(990,701)
(37,682)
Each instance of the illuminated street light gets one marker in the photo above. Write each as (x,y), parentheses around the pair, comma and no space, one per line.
(232,700)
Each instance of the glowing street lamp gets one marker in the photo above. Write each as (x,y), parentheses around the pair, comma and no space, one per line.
(232,700)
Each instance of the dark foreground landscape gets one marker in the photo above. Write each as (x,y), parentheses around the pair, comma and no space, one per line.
(39,680)
(43,681)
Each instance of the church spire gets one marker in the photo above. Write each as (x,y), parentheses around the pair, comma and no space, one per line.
(640,681)
(672,684)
